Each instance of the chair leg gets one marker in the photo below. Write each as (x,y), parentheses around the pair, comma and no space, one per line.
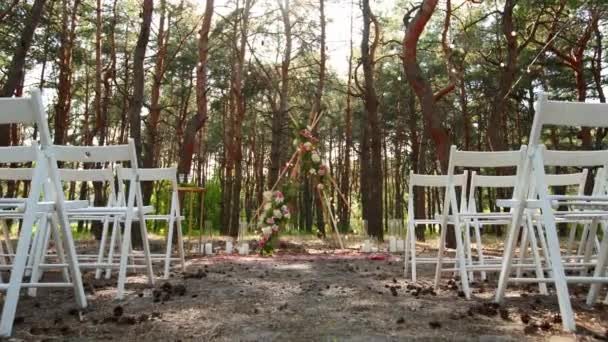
(124,256)
(583,241)
(523,247)
(14,287)
(469,250)
(536,255)
(102,246)
(507,259)
(35,246)
(169,247)
(439,266)
(180,244)
(147,257)
(71,257)
(589,245)
(38,250)
(559,276)
(479,246)
(462,265)
(113,242)
(406,250)
(414,265)
(600,271)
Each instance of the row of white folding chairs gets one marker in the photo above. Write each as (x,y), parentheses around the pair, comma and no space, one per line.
(44,201)
(106,254)
(541,204)
(470,216)
(46,209)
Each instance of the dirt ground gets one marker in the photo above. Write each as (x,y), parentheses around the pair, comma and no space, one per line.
(300,294)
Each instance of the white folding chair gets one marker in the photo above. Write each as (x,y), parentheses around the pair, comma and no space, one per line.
(173,217)
(557,113)
(132,210)
(106,177)
(469,159)
(427,181)
(478,220)
(45,183)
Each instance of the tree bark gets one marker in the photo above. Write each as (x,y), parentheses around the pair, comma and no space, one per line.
(496,132)
(198,121)
(137,100)
(64,91)
(421,86)
(370,101)
(150,145)
(278,117)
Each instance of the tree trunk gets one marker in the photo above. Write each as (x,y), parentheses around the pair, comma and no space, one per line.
(422,87)
(278,117)
(138,89)
(496,133)
(139,75)
(149,147)
(370,100)
(345,188)
(198,121)
(64,91)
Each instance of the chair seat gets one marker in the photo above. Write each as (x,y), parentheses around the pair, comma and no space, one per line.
(107,211)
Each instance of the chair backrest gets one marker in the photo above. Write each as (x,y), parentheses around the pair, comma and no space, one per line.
(434,181)
(28,111)
(86,175)
(492,159)
(125,174)
(93,154)
(575,158)
(149,174)
(561,113)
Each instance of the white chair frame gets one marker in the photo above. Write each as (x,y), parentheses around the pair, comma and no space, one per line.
(468,159)
(556,113)
(173,218)
(427,181)
(132,210)
(30,111)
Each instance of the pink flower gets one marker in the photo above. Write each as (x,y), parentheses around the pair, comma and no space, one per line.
(275,228)
(270,220)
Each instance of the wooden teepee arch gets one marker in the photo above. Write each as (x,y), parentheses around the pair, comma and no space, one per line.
(307,144)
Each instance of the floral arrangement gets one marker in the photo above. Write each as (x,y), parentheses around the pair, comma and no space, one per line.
(274,217)
(311,159)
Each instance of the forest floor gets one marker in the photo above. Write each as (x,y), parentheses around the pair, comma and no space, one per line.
(303,293)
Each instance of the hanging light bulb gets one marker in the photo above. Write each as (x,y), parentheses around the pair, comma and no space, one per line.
(513,33)
(454,70)
(398,78)
(452,45)
(502,65)
(529,71)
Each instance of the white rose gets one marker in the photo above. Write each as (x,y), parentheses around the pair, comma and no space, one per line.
(320,186)
(267,206)
(287,216)
(316,158)
(312,171)
(266,231)
(277,214)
